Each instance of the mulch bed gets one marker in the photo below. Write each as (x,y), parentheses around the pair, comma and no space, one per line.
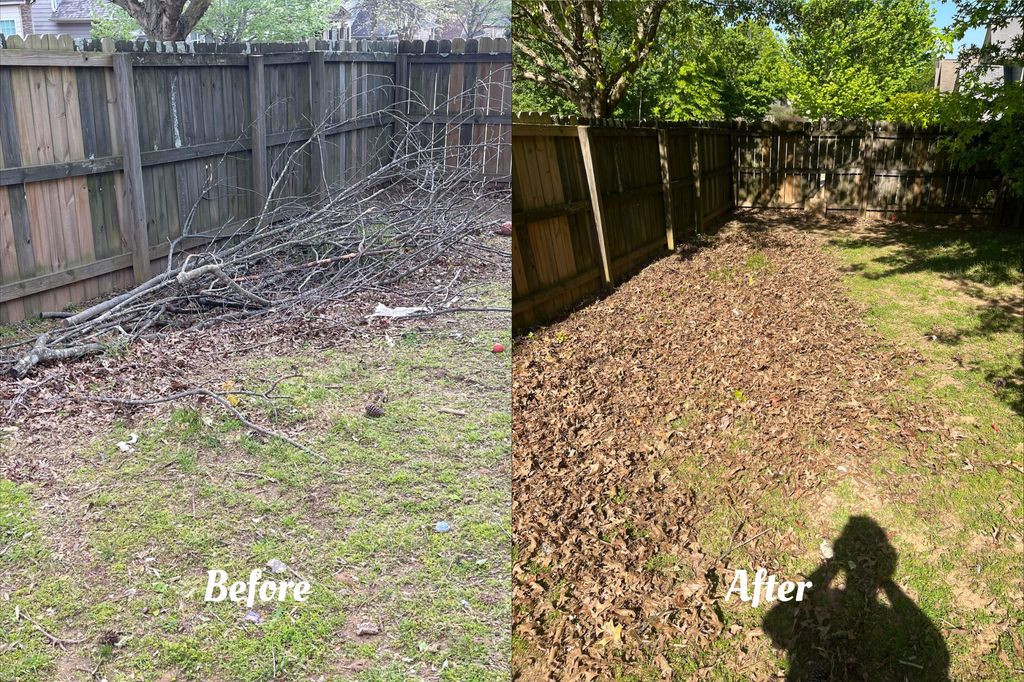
(762,372)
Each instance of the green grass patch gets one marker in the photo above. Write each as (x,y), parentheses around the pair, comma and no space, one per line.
(197,492)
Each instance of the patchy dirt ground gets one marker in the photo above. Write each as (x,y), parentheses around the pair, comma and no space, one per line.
(731,407)
(111,516)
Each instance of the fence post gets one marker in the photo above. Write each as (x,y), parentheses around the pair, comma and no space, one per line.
(401,83)
(596,202)
(258,110)
(698,208)
(318,112)
(400,101)
(867,147)
(734,154)
(666,188)
(134,228)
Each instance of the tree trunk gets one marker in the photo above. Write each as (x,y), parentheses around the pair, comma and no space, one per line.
(165,19)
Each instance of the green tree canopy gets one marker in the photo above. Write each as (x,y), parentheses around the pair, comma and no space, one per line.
(987,112)
(229,21)
(706,68)
(233,21)
(586,53)
(851,57)
(701,63)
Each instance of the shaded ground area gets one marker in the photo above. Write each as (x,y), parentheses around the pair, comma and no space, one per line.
(105,547)
(771,400)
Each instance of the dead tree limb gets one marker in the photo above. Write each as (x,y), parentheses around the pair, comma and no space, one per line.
(405,208)
(40,353)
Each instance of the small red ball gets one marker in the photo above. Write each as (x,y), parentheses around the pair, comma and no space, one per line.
(498,348)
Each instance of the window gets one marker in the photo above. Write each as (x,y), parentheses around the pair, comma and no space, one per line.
(10,20)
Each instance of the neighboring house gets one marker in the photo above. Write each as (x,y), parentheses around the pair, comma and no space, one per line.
(362,26)
(73,17)
(947,71)
(340,26)
(358,24)
(14,17)
(1004,38)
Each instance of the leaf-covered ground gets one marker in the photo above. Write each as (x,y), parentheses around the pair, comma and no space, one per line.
(107,548)
(791,382)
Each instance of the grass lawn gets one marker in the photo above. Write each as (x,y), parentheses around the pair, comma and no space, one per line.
(833,399)
(956,518)
(110,558)
(957,298)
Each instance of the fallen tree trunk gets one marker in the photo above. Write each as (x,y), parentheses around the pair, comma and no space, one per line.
(41,354)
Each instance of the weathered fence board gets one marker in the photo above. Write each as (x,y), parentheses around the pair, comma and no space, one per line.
(589,203)
(109,152)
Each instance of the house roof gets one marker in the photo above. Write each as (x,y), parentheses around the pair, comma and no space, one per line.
(81,10)
(945,74)
(341,16)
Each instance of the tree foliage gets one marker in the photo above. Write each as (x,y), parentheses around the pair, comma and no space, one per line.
(643,58)
(706,68)
(113,22)
(987,112)
(851,57)
(471,16)
(230,21)
(585,52)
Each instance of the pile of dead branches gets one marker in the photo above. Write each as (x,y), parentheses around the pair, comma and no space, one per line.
(400,216)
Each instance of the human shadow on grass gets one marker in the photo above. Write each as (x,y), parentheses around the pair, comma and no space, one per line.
(856,624)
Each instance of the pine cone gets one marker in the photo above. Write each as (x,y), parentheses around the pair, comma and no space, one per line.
(373,410)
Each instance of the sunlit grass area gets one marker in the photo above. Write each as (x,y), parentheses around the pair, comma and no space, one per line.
(957,298)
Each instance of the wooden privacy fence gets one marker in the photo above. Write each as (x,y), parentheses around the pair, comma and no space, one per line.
(594,200)
(109,151)
(847,167)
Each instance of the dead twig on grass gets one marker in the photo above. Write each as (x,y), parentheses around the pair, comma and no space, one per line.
(218,398)
(60,641)
(745,542)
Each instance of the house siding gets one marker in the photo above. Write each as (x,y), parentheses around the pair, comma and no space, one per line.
(10,13)
(43,23)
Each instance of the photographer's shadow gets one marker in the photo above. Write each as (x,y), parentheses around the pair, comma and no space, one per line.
(863,628)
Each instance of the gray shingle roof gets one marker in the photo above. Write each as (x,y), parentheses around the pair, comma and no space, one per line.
(81,10)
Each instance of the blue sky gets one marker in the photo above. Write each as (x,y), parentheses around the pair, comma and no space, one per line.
(944,12)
